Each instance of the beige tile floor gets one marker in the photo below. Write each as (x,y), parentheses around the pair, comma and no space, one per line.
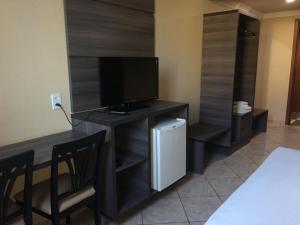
(195,198)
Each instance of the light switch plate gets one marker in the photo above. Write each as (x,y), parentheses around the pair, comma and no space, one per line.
(55,98)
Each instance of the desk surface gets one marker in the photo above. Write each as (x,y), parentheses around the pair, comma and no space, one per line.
(42,147)
(155,108)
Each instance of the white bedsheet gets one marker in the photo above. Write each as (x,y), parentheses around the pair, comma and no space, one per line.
(270,196)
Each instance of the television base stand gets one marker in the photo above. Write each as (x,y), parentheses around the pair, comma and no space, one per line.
(125,109)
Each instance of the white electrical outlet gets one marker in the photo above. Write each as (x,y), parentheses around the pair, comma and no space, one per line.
(55,98)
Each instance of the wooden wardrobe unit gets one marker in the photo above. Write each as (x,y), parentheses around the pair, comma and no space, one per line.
(230,52)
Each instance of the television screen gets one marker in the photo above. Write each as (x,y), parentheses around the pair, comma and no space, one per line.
(127,80)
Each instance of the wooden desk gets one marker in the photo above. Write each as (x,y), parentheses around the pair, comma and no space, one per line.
(42,147)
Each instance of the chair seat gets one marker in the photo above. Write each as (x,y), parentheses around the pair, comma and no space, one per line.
(12,208)
(41,197)
(18,221)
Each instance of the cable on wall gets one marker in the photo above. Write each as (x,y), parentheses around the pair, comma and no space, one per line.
(69,120)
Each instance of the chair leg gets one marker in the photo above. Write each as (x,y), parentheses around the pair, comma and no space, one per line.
(97,216)
(28,221)
(68,219)
(55,222)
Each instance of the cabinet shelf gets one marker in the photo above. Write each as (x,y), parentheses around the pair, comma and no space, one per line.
(130,200)
(129,160)
(241,114)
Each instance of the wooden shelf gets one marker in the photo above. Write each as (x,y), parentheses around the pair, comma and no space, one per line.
(205,132)
(129,160)
(133,187)
(259,112)
(132,199)
(241,114)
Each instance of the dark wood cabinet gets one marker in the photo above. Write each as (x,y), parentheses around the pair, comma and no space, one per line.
(241,128)
(260,121)
(230,52)
(128,143)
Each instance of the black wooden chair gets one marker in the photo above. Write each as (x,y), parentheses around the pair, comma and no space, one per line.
(65,193)
(10,169)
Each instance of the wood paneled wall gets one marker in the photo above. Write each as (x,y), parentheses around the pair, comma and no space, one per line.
(84,79)
(218,68)
(101,29)
(142,5)
(104,28)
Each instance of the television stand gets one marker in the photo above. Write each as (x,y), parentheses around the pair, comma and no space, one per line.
(127,173)
(125,109)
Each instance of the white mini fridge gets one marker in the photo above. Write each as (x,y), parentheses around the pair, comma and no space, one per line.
(168,153)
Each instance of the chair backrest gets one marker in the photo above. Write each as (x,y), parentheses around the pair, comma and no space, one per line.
(10,169)
(83,159)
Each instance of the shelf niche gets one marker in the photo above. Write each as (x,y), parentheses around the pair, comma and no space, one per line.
(132,164)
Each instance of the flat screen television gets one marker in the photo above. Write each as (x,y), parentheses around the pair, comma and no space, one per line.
(127,80)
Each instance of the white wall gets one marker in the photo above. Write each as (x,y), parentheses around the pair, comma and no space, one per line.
(274,66)
(179,26)
(33,64)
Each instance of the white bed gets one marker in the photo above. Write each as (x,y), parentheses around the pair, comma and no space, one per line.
(270,196)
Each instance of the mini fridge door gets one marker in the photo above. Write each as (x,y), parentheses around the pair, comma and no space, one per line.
(168,153)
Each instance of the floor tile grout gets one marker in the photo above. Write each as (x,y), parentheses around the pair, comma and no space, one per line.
(213,189)
(233,171)
(186,215)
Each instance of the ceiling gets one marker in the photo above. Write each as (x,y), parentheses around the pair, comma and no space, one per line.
(267,6)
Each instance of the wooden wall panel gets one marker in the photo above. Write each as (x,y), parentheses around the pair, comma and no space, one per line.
(218,69)
(104,28)
(100,29)
(142,5)
(84,83)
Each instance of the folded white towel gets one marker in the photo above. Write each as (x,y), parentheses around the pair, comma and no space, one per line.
(242,107)
(242,111)
(241,103)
